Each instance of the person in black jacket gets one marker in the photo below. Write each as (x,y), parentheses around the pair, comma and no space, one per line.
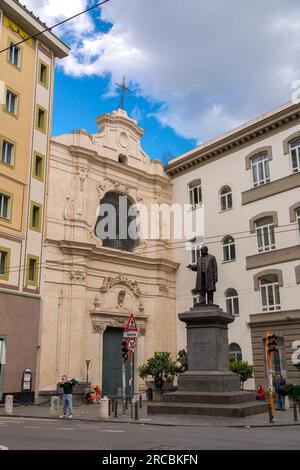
(67,386)
(280,383)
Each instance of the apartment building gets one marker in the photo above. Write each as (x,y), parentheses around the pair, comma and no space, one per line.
(26,91)
(248,182)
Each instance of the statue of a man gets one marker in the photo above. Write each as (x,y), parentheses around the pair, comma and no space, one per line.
(207,276)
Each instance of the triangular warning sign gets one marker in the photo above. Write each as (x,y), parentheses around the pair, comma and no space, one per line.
(131,325)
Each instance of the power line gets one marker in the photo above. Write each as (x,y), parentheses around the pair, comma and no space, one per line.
(56,25)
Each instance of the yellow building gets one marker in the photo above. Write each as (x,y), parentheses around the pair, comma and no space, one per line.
(26,91)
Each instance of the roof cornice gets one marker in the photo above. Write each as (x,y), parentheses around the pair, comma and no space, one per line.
(242,137)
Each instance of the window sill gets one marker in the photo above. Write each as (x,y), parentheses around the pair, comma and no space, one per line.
(225,210)
(229,261)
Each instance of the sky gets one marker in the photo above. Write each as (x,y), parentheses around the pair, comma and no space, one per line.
(195,68)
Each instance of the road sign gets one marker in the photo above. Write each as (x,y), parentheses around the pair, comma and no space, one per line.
(130,334)
(131,325)
(131,344)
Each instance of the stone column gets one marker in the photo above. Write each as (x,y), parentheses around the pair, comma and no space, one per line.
(97,354)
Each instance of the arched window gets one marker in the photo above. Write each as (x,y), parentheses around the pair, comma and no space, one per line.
(229,249)
(195,194)
(235,350)
(117,223)
(270,293)
(265,232)
(295,155)
(232,302)
(260,169)
(226,198)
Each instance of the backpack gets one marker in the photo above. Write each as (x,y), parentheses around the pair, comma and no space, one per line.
(283,390)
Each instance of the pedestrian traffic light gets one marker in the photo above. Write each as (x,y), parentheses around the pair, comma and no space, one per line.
(272,343)
(125,352)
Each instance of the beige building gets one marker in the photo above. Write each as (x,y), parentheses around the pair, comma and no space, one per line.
(26,90)
(249,183)
(93,285)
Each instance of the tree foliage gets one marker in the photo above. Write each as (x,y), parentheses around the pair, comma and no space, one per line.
(161,368)
(242,368)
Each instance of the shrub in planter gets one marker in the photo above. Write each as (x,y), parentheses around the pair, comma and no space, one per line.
(161,368)
(242,368)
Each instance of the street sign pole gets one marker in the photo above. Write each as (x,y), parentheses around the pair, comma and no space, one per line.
(270,366)
(124,386)
(132,374)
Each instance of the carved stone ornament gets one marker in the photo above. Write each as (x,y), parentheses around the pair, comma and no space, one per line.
(99,328)
(78,276)
(110,282)
(97,303)
(163,289)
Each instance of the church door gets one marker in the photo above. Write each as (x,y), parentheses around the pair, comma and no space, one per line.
(112,364)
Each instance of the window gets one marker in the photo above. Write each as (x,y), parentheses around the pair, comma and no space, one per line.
(235,350)
(32,270)
(229,249)
(14,55)
(270,295)
(226,198)
(295,155)
(195,194)
(38,166)
(11,102)
(195,248)
(265,234)
(232,302)
(117,223)
(298,218)
(43,74)
(5,203)
(7,152)
(4,263)
(260,170)
(35,220)
(41,119)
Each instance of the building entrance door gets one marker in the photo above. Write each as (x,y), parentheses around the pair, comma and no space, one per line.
(112,364)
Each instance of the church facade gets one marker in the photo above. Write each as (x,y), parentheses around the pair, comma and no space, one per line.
(92,286)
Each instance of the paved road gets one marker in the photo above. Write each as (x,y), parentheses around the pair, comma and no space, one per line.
(35,434)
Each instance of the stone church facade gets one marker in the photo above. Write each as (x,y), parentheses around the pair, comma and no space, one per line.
(90,287)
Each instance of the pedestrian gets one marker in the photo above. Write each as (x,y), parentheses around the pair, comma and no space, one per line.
(261,394)
(67,386)
(281,392)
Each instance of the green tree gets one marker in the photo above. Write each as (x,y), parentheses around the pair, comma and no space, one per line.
(242,368)
(161,368)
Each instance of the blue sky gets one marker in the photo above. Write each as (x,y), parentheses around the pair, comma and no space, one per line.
(78,101)
(198,68)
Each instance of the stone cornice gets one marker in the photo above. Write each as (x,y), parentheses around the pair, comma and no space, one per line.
(93,157)
(275,318)
(236,140)
(122,258)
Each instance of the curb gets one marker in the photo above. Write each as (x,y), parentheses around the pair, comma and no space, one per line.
(147,423)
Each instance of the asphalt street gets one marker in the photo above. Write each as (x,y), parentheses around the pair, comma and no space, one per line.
(41,434)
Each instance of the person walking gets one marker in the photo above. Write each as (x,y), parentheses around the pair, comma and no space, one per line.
(67,386)
(280,389)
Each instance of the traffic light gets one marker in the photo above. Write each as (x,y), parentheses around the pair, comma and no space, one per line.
(125,352)
(272,343)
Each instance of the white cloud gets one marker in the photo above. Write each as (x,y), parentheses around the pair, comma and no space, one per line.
(213,64)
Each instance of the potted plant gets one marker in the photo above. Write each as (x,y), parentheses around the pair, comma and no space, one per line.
(162,369)
(242,368)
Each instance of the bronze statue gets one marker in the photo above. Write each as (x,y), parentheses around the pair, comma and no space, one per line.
(207,276)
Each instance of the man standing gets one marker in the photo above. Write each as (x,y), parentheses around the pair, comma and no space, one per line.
(67,386)
(207,276)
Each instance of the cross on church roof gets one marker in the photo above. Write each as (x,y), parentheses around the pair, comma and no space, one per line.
(124,89)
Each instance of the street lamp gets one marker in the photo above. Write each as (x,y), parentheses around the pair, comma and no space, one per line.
(87,369)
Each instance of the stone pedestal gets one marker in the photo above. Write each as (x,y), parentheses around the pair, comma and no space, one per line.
(208,387)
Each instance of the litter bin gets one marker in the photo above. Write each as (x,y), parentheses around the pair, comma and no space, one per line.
(296,392)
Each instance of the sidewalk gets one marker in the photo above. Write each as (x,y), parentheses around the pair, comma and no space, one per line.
(91,413)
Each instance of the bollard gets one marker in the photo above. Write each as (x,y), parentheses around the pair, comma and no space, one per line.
(54,407)
(136,411)
(9,404)
(124,407)
(112,405)
(109,407)
(116,408)
(141,402)
(295,412)
(131,408)
(271,417)
(126,403)
(104,411)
